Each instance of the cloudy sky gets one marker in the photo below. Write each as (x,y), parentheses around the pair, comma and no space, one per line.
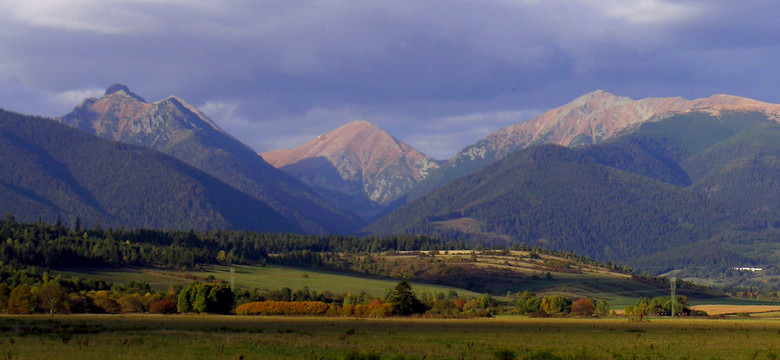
(438,75)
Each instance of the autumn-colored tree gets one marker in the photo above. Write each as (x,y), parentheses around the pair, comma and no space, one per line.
(131,303)
(53,297)
(163,306)
(107,304)
(583,307)
(21,300)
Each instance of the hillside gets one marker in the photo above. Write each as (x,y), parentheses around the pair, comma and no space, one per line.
(590,119)
(358,167)
(469,273)
(690,180)
(50,171)
(178,129)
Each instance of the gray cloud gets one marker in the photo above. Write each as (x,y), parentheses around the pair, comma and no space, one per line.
(436,74)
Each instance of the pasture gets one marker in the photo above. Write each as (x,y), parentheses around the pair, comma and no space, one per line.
(234,337)
(270,277)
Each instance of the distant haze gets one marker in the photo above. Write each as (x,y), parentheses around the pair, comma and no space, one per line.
(438,75)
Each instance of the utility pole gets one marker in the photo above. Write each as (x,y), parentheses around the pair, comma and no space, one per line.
(673,281)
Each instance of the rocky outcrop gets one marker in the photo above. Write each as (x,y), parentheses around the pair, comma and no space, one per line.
(124,116)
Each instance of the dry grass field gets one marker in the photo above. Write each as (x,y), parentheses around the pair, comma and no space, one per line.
(234,337)
(736,309)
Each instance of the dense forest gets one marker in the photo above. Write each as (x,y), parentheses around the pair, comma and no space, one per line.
(32,252)
(58,246)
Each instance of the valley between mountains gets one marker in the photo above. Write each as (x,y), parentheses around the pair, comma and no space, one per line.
(659,184)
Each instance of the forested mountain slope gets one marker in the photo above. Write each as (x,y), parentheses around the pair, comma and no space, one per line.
(50,171)
(590,119)
(178,129)
(684,180)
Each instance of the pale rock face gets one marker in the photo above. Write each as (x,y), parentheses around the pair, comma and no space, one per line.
(123,116)
(596,117)
(363,156)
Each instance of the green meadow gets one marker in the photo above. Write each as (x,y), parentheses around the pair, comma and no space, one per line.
(234,337)
(271,277)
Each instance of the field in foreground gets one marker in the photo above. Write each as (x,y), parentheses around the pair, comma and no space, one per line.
(231,337)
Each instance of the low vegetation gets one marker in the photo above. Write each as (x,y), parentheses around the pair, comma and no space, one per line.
(240,337)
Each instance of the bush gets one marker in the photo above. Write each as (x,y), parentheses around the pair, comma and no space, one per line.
(164,306)
(583,307)
(21,300)
(556,305)
(131,303)
(283,308)
(105,304)
(539,314)
(356,354)
(543,355)
(504,355)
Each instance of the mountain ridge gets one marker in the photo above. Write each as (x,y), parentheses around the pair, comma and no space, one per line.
(50,171)
(695,179)
(589,119)
(178,129)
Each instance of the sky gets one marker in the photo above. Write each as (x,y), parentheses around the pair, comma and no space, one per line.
(438,75)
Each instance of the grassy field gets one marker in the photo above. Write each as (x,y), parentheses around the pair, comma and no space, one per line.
(233,337)
(501,272)
(737,309)
(271,277)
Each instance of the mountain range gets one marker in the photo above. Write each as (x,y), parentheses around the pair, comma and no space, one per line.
(658,183)
(178,129)
(51,172)
(590,119)
(703,180)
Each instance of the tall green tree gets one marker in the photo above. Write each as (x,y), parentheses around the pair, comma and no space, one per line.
(602,308)
(403,300)
(3,297)
(215,298)
(556,305)
(184,303)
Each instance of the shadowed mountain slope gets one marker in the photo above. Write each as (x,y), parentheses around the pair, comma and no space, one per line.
(178,129)
(50,171)
(590,119)
(692,179)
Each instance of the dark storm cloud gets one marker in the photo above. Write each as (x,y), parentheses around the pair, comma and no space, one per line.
(436,74)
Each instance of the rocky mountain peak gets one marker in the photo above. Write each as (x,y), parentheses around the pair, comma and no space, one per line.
(599,97)
(122,90)
(357,159)
(595,117)
(124,116)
